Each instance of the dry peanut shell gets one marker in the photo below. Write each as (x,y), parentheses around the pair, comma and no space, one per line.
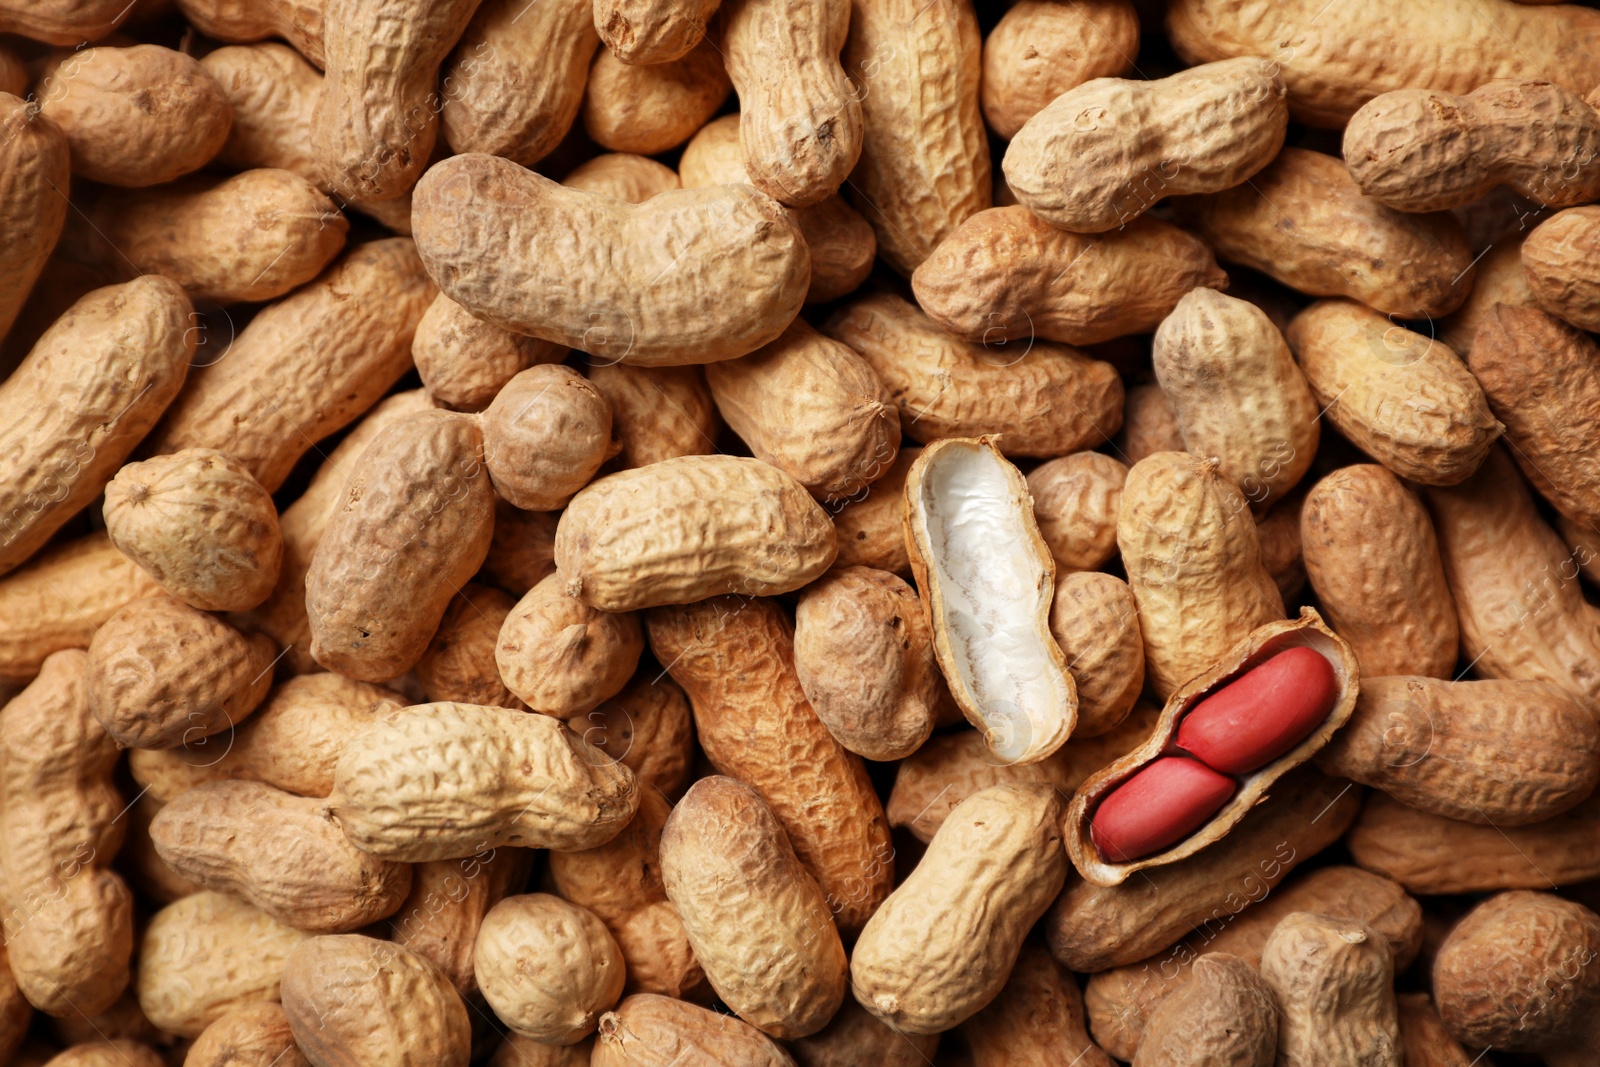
(1007,275)
(1035,1020)
(856,1035)
(1095,620)
(654,1031)
(1039,49)
(1040,399)
(1401,397)
(147,873)
(254,1036)
(648,728)
(1423,1036)
(563,657)
(273,91)
(1149,425)
(464,361)
(459,665)
(1558,258)
(1228,1016)
(120,1052)
(66,22)
(652,108)
(657,413)
(871,526)
(734,656)
(545,435)
(1100,155)
(1075,502)
(1279,533)
(440,918)
(300,22)
(522,552)
(305,366)
(518,1051)
(1303,221)
(548,968)
(442,781)
(651,32)
(623,175)
(35,174)
(1499,279)
(686,529)
(1333,980)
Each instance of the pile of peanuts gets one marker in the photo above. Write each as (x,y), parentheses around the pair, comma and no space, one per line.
(799,533)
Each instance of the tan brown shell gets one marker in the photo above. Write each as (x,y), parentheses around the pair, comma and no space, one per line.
(563,657)
(1095,620)
(1373,559)
(1039,49)
(758,921)
(686,529)
(1558,258)
(944,942)
(300,22)
(253,1036)
(1075,503)
(1303,221)
(734,656)
(1261,644)
(322,356)
(1237,394)
(1007,275)
(545,435)
(623,175)
(68,22)
(548,968)
(648,728)
(514,83)
(855,1035)
(651,32)
(1500,279)
(354,1000)
(1400,396)
(90,388)
(654,1031)
(1036,1018)
(15,1011)
(207,955)
(651,108)
(522,552)
(162,673)
(1281,552)
(1149,425)
(1423,1036)
(870,525)
(657,413)
(1333,980)
(1039,399)
(1100,155)
(464,361)
(273,91)
(515,779)
(459,665)
(35,170)
(414,526)
(135,116)
(119,1052)
(440,918)
(1227,1016)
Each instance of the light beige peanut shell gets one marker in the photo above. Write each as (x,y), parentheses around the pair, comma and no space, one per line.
(251,237)
(942,945)
(300,22)
(1034,1021)
(459,665)
(253,1036)
(647,727)
(657,413)
(1450,45)
(1100,155)
(863,651)
(273,91)
(1227,1016)
(1426,150)
(306,365)
(440,918)
(870,525)
(354,1000)
(651,108)
(924,165)
(1398,395)
(1515,583)
(522,552)
(1075,502)
(1121,1001)
(465,361)
(1095,620)
(67,22)
(855,1036)
(1006,275)
(1095,928)
(686,529)
(548,968)
(1040,399)
(378,113)
(758,922)
(1303,221)
(1558,258)
(623,175)
(514,83)
(734,657)
(136,116)
(731,248)
(35,174)
(518,1051)
(60,598)
(90,388)
(200,524)
(1499,279)
(651,32)
(1372,557)
(1279,533)
(811,407)
(1194,564)
(414,526)
(120,1052)
(1149,425)
(655,1031)
(442,781)
(1497,753)
(1333,980)
(545,434)
(69,918)
(162,673)
(208,955)
(1041,48)
(1423,1036)
(563,657)
(1237,394)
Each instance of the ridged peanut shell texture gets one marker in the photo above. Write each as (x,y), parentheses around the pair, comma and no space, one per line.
(655,1031)
(651,109)
(35,172)
(1254,787)
(442,781)
(1102,154)
(1333,980)
(1006,275)
(300,22)
(1075,502)
(459,665)
(686,529)
(1039,49)
(545,434)
(563,657)
(1194,563)
(1226,1015)
(67,22)
(254,1036)
(647,32)
(943,943)
(689,276)
(413,526)
(657,413)
(464,362)
(1559,260)
(201,525)
(758,921)
(1095,620)
(548,968)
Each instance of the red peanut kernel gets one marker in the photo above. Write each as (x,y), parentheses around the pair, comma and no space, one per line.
(1264,713)
(1160,806)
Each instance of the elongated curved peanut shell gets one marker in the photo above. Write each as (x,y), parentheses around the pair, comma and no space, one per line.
(654,1031)
(651,109)
(1559,260)
(300,22)
(35,176)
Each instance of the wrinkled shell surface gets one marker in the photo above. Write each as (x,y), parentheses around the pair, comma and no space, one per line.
(1558,258)
(1039,49)
(441,916)
(545,435)
(1075,502)
(657,413)
(548,968)
(459,665)
(464,361)
(649,32)
(652,108)
(1227,1016)
(563,657)
(1334,983)
(655,1031)
(1036,1019)
(647,727)
(35,169)
(253,1036)
(1095,620)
